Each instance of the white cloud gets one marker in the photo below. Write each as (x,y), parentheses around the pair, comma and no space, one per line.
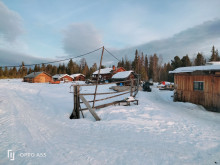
(80,38)
(200,38)
(10,24)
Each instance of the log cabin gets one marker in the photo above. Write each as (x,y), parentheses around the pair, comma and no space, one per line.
(62,77)
(37,77)
(106,73)
(124,76)
(78,77)
(198,85)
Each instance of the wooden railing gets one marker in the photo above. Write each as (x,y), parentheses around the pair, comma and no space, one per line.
(77,96)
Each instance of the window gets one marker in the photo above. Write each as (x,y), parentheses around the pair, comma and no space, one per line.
(198,85)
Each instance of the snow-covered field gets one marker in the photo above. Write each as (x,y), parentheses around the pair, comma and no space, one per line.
(35,125)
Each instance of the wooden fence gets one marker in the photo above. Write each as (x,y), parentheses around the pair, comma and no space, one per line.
(77,96)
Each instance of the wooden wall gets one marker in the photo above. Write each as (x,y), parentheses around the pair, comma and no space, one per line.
(79,78)
(42,78)
(209,97)
(66,78)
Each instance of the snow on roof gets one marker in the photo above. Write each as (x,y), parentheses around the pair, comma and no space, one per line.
(213,63)
(197,68)
(33,74)
(103,71)
(75,75)
(121,75)
(58,76)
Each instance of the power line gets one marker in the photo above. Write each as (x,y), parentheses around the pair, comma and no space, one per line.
(112,54)
(55,61)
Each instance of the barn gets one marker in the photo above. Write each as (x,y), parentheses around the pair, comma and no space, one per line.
(78,77)
(107,73)
(198,85)
(37,77)
(124,76)
(62,77)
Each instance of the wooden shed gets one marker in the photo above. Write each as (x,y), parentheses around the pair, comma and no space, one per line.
(38,77)
(78,77)
(198,85)
(62,77)
(107,73)
(124,76)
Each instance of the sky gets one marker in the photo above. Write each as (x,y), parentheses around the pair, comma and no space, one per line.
(38,30)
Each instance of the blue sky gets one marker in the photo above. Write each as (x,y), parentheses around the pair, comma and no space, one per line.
(57,28)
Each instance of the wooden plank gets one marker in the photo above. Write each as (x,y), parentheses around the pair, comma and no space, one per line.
(102,106)
(100,65)
(107,93)
(104,83)
(110,97)
(91,110)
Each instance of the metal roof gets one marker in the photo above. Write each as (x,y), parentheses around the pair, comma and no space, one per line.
(213,67)
(34,74)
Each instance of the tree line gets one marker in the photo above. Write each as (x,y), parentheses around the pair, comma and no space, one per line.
(152,66)
(148,67)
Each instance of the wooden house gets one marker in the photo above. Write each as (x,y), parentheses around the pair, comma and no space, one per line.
(107,73)
(37,77)
(78,77)
(62,77)
(124,76)
(198,85)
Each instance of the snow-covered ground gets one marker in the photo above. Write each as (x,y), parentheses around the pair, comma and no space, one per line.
(35,125)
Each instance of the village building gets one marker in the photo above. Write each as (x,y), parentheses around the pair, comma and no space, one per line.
(37,77)
(124,76)
(198,85)
(62,77)
(78,77)
(106,73)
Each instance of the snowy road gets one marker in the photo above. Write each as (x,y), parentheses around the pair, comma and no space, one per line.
(34,118)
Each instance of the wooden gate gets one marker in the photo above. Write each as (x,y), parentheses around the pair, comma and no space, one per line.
(77,96)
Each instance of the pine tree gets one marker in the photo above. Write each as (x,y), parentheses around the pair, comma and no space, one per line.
(127,64)
(170,76)
(70,69)
(35,68)
(6,72)
(176,63)
(30,71)
(22,71)
(146,66)
(85,70)
(1,72)
(135,62)
(186,61)
(200,60)
(214,55)
(155,68)
(43,68)
(54,70)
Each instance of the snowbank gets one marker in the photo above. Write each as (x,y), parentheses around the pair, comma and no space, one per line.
(34,118)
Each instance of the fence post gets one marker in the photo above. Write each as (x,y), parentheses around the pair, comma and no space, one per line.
(75,114)
(131,91)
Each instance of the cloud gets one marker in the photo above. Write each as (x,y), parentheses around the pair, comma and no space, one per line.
(8,58)
(10,24)
(80,38)
(199,38)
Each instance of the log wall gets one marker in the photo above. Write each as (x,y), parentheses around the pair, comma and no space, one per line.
(209,97)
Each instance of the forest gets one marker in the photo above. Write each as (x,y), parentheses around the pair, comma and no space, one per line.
(147,66)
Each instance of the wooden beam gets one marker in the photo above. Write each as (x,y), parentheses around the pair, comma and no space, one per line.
(100,65)
(91,110)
